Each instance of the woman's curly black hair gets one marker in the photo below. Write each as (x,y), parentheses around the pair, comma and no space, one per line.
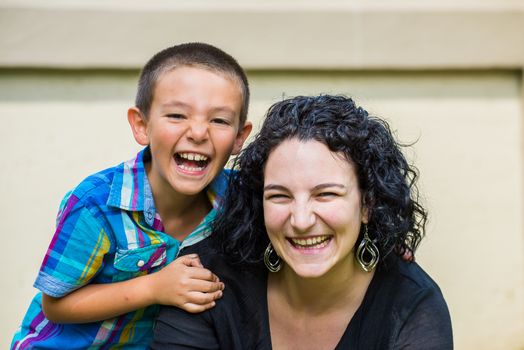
(386,180)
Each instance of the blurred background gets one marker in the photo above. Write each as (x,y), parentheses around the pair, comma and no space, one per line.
(446,75)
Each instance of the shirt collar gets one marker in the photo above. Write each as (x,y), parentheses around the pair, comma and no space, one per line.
(130,189)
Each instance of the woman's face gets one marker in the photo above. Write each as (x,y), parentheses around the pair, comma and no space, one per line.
(312,206)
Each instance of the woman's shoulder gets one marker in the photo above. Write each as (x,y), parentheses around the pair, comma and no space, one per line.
(414,280)
(419,312)
(237,319)
(247,276)
(402,286)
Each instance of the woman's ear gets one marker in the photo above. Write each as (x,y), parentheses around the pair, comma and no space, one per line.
(365,214)
(138,125)
(364,211)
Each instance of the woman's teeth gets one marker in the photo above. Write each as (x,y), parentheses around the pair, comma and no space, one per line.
(311,242)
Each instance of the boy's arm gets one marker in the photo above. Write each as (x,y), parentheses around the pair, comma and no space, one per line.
(183,283)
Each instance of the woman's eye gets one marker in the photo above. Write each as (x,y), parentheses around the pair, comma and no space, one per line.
(276,196)
(328,194)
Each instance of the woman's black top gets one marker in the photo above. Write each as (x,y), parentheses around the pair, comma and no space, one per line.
(402,309)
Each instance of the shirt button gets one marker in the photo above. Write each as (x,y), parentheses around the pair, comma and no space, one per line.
(140,263)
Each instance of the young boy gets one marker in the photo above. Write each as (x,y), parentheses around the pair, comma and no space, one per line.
(115,229)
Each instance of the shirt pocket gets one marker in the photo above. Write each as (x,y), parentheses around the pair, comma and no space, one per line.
(139,261)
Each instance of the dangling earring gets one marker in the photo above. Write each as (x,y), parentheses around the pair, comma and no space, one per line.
(276,264)
(367,252)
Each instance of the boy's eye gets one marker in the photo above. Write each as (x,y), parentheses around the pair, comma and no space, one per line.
(176,116)
(222,121)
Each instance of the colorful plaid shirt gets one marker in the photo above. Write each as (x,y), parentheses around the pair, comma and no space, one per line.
(107,231)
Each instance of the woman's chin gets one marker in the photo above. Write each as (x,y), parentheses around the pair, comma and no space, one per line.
(310,269)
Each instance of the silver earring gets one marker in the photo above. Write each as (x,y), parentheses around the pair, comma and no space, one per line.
(276,264)
(367,253)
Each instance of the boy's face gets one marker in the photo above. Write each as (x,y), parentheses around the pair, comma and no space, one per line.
(192,129)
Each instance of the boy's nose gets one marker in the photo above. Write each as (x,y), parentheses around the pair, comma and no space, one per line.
(302,217)
(198,132)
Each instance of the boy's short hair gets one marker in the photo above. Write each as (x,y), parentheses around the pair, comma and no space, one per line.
(192,55)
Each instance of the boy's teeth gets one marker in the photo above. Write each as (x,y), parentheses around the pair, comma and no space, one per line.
(193,156)
(191,168)
(311,242)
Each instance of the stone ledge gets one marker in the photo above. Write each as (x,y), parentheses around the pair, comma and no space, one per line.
(348,37)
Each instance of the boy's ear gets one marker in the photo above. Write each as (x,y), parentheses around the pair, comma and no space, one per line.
(138,125)
(241,137)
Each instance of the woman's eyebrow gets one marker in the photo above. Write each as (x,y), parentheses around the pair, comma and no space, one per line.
(316,188)
(274,187)
(327,185)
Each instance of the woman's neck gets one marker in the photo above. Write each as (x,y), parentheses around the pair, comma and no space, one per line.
(314,313)
(344,284)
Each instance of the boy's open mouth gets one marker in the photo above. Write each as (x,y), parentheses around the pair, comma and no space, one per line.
(191,161)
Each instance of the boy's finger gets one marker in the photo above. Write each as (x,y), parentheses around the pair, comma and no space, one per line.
(204,274)
(196,308)
(195,262)
(190,260)
(203,298)
(206,286)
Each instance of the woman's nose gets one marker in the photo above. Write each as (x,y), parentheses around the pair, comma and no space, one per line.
(302,217)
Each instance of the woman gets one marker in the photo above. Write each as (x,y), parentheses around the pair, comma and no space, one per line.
(325,200)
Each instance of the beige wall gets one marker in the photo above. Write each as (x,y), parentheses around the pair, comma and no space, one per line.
(59,125)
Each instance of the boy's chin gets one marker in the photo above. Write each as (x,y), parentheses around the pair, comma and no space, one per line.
(191,186)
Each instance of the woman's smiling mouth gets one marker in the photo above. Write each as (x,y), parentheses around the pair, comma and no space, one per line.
(310,242)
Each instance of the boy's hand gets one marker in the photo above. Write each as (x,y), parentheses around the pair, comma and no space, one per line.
(186,284)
